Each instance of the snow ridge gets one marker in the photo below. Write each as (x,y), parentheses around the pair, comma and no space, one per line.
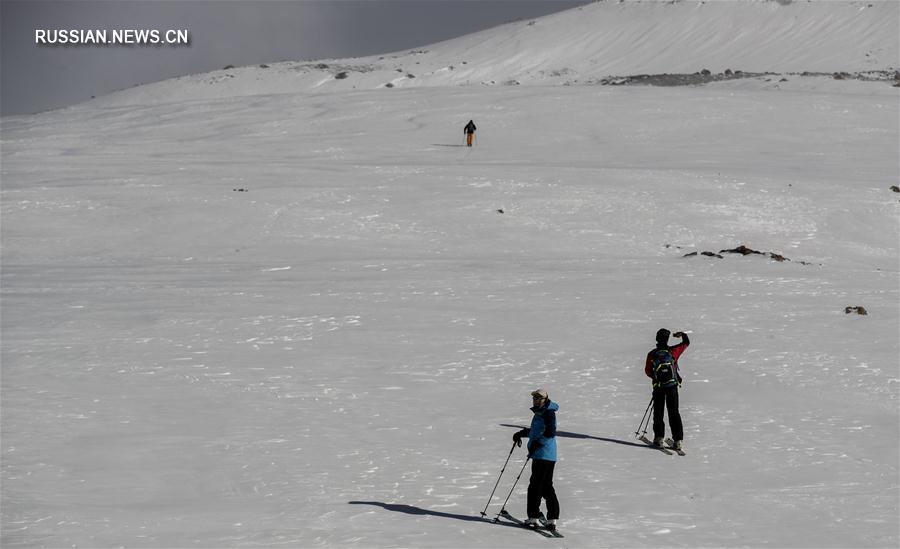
(587,44)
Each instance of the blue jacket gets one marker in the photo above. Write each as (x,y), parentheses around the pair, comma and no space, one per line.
(542,434)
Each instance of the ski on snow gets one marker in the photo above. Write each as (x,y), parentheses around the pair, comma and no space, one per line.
(671,445)
(542,531)
(649,443)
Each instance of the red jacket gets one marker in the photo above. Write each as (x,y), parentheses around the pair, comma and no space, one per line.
(676,352)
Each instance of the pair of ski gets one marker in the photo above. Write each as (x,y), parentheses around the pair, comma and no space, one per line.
(667,449)
(542,530)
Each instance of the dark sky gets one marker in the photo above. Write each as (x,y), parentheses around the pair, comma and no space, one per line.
(238,32)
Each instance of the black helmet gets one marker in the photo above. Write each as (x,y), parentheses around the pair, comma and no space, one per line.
(662,336)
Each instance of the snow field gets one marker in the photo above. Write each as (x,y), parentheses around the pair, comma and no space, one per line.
(337,355)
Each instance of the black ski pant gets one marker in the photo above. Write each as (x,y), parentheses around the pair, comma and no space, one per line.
(667,399)
(541,486)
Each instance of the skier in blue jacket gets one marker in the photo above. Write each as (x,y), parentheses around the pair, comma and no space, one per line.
(542,451)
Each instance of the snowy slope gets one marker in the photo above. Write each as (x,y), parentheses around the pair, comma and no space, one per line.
(301,319)
(589,43)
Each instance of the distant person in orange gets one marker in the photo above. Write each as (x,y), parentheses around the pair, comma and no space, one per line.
(469,130)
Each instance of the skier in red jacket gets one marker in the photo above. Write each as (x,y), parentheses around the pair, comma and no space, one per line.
(662,368)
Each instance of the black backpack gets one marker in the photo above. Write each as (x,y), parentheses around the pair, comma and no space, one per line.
(664,370)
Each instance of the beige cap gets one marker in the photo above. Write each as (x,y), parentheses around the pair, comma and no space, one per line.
(539,393)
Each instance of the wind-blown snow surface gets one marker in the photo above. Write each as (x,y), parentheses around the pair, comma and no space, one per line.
(301,320)
(589,43)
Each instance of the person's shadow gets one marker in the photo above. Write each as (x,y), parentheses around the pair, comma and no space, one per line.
(565,434)
(412,510)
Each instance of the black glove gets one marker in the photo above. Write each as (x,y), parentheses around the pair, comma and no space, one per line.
(678,334)
(517,438)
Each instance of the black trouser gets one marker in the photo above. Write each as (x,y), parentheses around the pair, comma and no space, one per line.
(541,486)
(667,398)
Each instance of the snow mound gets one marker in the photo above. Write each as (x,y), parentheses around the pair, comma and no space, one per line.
(585,45)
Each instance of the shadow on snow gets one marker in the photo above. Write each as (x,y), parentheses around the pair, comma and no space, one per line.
(412,510)
(565,434)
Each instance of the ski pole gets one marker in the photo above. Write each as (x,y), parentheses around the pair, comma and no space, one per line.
(484,513)
(503,509)
(649,415)
(636,433)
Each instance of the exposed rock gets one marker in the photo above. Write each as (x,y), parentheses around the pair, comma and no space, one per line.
(707,254)
(705,77)
(743,250)
(858,310)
